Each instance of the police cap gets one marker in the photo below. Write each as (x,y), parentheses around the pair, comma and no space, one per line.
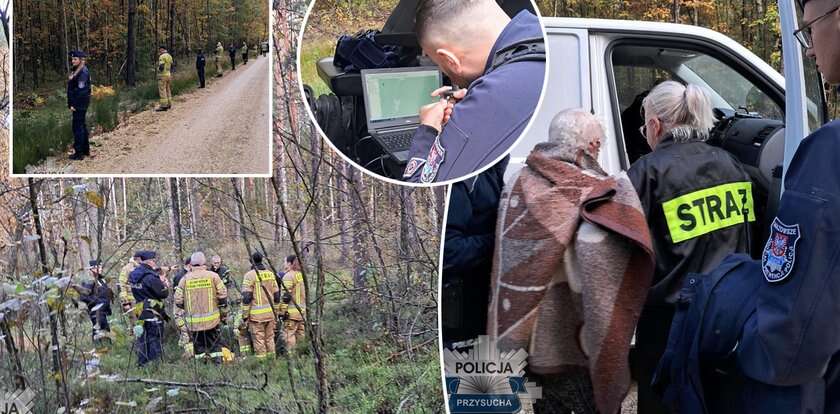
(78,54)
(93,263)
(145,254)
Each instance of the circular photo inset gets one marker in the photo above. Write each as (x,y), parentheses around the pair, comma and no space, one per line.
(422,91)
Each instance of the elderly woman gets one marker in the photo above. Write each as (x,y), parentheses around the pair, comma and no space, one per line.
(698,202)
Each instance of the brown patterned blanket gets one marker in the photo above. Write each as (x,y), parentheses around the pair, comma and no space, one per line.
(572,267)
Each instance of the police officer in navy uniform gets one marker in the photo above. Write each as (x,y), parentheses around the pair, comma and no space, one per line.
(500,92)
(468,254)
(149,290)
(768,336)
(200,62)
(78,99)
(693,196)
(97,296)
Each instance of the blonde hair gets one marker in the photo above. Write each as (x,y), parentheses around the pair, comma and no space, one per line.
(684,110)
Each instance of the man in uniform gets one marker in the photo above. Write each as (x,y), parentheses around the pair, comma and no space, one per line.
(200,62)
(184,334)
(232,54)
(261,300)
(769,340)
(468,254)
(501,90)
(293,308)
(218,57)
(203,298)
(244,51)
(126,298)
(149,290)
(78,99)
(164,70)
(219,268)
(97,296)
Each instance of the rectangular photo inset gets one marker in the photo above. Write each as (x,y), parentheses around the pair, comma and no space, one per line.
(141,88)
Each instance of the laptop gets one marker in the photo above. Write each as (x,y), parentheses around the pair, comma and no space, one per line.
(393,98)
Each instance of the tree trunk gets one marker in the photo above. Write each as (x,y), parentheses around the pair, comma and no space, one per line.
(175,216)
(131,48)
(36,219)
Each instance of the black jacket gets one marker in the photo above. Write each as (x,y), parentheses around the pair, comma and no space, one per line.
(97,292)
(692,195)
(148,290)
(468,253)
(200,61)
(78,90)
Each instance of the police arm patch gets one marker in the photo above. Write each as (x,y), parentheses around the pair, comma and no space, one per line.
(413,165)
(433,162)
(779,254)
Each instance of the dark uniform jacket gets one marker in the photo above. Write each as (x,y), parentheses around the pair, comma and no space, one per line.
(149,291)
(468,253)
(78,90)
(200,61)
(178,276)
(97,292)
(692,194)
(783,325)
(485,124)
(223,273)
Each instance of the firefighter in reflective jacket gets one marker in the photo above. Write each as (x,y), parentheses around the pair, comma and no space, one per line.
(203,297)
(126,298)
(293,309)
(183,333)
(260,306)
(694,196)
(149,290)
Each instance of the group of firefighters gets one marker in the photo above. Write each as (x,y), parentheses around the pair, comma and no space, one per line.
(79,85)
(201,306)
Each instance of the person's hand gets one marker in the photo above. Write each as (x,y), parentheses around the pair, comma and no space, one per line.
(433,114)
(456,97)
(72,109)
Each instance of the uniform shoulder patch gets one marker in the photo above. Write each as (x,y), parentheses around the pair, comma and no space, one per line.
(779,254)
(433,162)
(414,164)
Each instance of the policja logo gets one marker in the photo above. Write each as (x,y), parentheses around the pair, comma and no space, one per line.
(17,402)
(484,380)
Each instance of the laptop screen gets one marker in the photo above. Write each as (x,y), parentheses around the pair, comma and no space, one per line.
(398,93)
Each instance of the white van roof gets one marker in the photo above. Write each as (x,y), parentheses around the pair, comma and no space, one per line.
(636,26)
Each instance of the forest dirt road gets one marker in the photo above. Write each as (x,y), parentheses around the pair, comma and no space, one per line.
(221,129)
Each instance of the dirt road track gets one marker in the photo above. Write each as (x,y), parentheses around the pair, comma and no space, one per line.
(222,129)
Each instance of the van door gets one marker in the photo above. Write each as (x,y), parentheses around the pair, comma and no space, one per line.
(567,86)
(804,93)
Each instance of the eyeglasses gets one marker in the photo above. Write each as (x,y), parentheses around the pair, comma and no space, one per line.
(643,130)
(803,35)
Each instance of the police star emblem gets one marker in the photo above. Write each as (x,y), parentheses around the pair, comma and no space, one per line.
(780,251)
(485,380)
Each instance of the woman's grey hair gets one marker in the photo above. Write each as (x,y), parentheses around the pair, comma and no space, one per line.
(198,259)
(684,111)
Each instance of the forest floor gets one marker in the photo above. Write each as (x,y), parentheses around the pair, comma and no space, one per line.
(222,129)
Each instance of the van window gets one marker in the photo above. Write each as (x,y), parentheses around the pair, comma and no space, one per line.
(637,69)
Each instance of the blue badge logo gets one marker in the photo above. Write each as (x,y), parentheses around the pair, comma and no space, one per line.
(780,251)
(484,380)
